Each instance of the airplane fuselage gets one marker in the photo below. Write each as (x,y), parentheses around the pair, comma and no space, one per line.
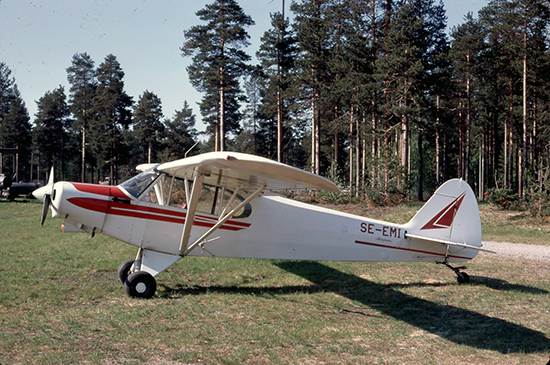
(223,205)
(277,228)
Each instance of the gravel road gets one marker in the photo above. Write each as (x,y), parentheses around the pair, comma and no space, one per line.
(521,250)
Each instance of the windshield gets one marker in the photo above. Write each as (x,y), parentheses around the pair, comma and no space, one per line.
(138,184)
(158,188)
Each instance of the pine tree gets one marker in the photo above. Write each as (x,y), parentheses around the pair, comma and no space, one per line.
(247,140)
(50,132)
(313,31)
(277,53)
(6,90)
(350,90)
(111,114)
(15,132)
(82,77)
(415,45)
(218,64)
(466,52)
(180,135)
(147,121)
(7,84)
(514,33)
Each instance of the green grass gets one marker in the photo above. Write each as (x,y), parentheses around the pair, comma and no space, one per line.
(62,303)
(513,226)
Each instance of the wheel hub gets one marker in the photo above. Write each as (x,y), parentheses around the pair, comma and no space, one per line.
(141,287)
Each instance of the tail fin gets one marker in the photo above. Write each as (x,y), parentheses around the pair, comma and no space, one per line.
(450,215)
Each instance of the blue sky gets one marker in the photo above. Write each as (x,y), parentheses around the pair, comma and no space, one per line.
(38,39)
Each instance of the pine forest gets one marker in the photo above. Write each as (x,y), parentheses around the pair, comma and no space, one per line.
(376,95)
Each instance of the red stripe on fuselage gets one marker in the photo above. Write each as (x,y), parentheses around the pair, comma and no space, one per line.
(115,191)
(105,190)
(410,249)
(150,213)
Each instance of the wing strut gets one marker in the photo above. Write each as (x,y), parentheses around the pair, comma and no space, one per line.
(221,220)
(192,201)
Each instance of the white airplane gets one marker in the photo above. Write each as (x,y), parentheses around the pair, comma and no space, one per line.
(225,204)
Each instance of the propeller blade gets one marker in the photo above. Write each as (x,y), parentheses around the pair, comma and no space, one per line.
(45,207)
(50,179)
(45,195)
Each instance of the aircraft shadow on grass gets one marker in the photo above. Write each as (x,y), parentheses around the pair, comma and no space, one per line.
(458,325)
(455,324)
(492,283)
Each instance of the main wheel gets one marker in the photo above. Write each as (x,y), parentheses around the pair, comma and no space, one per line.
(140,284)
(124,270)
(462,278)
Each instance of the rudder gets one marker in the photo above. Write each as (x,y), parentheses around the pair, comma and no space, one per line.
(451,214)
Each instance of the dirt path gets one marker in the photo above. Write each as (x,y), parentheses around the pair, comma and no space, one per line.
(507,249)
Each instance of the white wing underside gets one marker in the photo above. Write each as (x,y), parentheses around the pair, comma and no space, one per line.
(233,170)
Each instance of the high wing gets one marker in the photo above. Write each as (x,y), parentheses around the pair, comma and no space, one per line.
(234,170)
(245,174)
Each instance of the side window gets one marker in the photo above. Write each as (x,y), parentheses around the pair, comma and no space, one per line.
(168,191)
(176,190)
(208,199)
(216,200)
(158,193)
(233,203)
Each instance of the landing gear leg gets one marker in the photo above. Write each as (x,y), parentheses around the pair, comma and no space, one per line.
(461,277)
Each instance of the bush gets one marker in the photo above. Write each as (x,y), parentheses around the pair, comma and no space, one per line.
(504,198)
(539,198)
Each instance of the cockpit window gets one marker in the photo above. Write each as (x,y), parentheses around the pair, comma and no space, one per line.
(155,187)
(216,200)
(139,183)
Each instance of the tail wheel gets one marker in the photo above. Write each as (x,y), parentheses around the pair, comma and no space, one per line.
(140,284)
(124,270)
(462,278)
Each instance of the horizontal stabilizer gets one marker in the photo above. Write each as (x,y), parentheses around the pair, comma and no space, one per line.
(448,243)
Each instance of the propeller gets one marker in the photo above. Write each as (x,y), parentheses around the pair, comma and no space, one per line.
(44,194)
(45,207)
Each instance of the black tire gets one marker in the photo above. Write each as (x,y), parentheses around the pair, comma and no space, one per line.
(463,278)
(124,270)
(140,284)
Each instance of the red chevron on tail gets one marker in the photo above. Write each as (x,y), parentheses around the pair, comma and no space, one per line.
(444,219)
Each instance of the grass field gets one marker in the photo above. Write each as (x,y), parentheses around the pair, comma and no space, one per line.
(61,302)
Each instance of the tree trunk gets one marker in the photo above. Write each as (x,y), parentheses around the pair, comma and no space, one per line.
(279,123)
(314,134)
(420,185)
(467,131)
(357,156)
(523,155)
(83,157)
(279,95)
(481,191)
(437,143)
(222,116)
(511,138)
(351,153)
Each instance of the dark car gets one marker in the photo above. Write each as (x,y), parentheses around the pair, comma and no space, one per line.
(12,190)
(5,182)
(22,189)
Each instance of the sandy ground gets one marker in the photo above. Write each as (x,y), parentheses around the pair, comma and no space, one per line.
(507,249)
